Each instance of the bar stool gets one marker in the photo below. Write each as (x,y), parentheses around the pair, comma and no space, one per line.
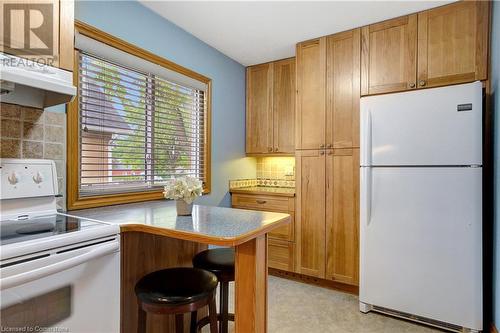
(175,291)
(219,261)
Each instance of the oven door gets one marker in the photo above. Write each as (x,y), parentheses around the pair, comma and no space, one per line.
(71,289)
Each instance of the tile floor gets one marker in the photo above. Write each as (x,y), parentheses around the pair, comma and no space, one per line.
(300,308)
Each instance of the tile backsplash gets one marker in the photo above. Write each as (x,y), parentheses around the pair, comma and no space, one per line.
(32,133)
(276,168)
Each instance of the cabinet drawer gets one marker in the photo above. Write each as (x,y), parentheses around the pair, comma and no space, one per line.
(281,254)
(261,202)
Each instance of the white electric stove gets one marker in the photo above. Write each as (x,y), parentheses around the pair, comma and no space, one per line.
(57,271)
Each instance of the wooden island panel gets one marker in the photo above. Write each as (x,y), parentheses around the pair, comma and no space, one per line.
(143,253)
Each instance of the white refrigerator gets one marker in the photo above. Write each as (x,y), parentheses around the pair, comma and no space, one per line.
(421,206)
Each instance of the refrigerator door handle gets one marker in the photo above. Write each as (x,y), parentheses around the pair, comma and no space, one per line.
(366,138)
(366,193)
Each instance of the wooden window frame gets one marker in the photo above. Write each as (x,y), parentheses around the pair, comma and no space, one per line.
(72,167)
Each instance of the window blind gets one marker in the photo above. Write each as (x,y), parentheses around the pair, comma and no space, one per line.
(137,129)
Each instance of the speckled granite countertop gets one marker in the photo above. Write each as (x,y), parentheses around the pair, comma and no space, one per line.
(265,190)
(209,225)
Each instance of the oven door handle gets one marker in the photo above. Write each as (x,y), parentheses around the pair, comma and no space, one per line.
(25,277)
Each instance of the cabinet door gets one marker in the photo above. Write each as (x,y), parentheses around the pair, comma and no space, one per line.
(284,106)
(281,254)
(342,217)
(310,212)
(343,89)
(259,119)
(389,56)
(311,94)
(453,44)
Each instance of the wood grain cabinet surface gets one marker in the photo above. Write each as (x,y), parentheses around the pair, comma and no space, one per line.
(259,116)
(453,44)
(311,211)
(437,47)
(311,94)
(327,211)
(342,216)
(61,33)
(270,115)
(281,241)
(389,55)
(343,89)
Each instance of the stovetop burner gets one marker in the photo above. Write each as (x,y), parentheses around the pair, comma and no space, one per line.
(13,231)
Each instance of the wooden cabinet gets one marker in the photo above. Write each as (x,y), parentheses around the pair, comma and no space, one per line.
(270,116)
(55,35)
(343,89)
(311,94)
(437,47)
(311,203)
(342,216)
(453,43)
(389,55)
(259,117)
(281,243)
(284,106)
(328,81)
(327,214)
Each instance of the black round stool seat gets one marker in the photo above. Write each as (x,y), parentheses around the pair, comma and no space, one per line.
(219,261)
(175,286)
(176,291)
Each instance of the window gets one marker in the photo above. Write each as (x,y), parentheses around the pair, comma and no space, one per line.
(137,125)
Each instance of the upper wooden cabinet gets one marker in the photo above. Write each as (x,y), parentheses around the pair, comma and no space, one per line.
(51,43)
(437,47)
(342,89)
(453,44)
(328,82)
(311,94)
(389,55)
(259,116)
(284,106)
(270,116)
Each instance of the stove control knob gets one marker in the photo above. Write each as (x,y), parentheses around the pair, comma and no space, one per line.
(38,178)
(13,178)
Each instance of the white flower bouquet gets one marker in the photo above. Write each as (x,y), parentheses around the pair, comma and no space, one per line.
(184,190)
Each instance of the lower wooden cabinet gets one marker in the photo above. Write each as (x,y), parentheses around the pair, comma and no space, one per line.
(281,241)
(327,214)
(281,254)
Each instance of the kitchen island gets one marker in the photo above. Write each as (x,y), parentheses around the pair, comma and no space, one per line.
(153,237)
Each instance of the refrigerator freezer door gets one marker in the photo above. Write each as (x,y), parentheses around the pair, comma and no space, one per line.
(420,247)
(439,126)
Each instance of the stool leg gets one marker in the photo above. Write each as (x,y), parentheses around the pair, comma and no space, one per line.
(179,323)
(194,321)
(141,320)
(224,306)
(212,314)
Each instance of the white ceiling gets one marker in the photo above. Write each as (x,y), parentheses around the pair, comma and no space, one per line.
(261,31)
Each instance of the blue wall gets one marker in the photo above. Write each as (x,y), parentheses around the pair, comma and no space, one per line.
(140,26)
(495,84)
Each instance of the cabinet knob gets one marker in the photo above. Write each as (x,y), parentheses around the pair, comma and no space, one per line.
(322,152)
(329,145)
(276,149)
(261,202)
(322,146)
(421,83)
(412,85)
(330,152)
(269,148)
